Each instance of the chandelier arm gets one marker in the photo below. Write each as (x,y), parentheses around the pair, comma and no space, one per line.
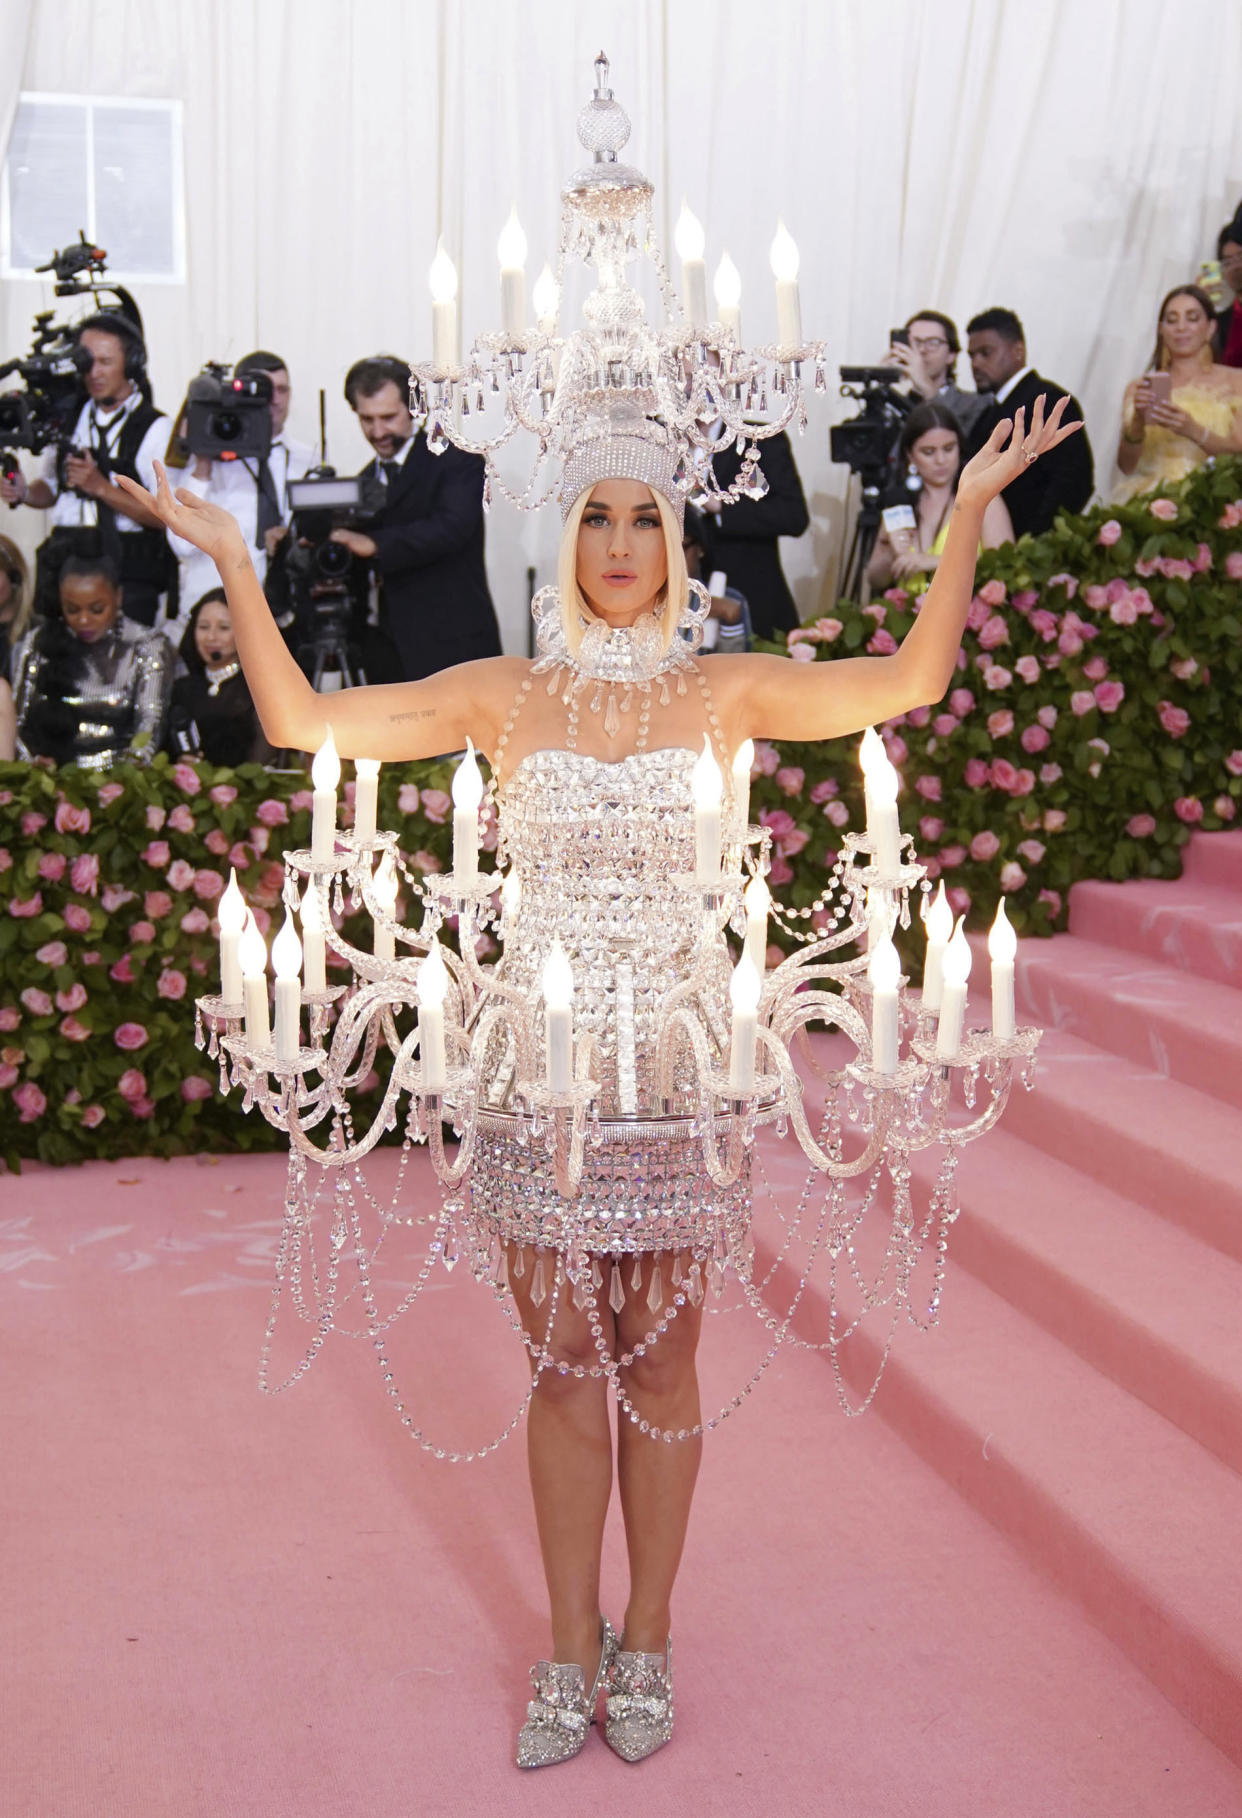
(837,1170)
(956,1136)
(342,1154)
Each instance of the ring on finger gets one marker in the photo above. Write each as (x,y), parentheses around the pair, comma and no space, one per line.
(1029,456)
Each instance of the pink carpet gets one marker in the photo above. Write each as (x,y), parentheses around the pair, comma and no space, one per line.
(1010,1590)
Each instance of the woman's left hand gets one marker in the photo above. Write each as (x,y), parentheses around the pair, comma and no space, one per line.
(1179,421)
(1004,455)
(914,561)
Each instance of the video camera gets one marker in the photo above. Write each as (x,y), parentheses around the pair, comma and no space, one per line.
(324,585)
(227,417)
(864,443)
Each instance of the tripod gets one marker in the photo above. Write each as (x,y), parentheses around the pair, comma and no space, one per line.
(866,530)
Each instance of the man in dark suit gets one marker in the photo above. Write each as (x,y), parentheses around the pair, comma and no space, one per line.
(427,543)
(1227,341)
(742,538)
(1063,478)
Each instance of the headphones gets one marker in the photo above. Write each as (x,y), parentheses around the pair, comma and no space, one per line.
(114,322)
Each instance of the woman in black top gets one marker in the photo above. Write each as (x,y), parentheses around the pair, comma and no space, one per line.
(212,714)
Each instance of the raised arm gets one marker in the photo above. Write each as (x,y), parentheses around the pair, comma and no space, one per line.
(395,723)
(773,698)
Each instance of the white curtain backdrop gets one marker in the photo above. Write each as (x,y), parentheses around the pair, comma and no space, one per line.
(1069,160)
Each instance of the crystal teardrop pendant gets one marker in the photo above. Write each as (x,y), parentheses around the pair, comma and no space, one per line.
(636,1275)
(694,1285)
(582,1291)
(519,1267)
(678,1272)
(538,1286)
(655,1293)
(616,1289)
(597,1274)
(612,717)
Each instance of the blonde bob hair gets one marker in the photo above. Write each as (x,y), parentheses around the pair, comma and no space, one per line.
(576,613)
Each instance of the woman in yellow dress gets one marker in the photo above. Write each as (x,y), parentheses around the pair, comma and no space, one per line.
(933,447)
(1164,441)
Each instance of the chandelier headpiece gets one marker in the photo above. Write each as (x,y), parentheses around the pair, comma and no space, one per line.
(625,445)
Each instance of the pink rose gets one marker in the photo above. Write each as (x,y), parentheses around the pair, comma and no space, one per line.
(52,953)
(1233,763)
(73,997)
(209,884)
(994,677)
(795,841)
(918,716)
(1165,509)
(407,798)
(1140,599)
(829,630)
(140,932)
(1175,720)
(877,611)
(26,907)
(217,841)
(1233,564)
(37,1002)
(1069,643)
(984,846)
(1188,808)
(779,821)
(180,874)
(1081,701)
(945,725)
(93,1116)
(109,793)
(8,1074)
(1096,597)
(52,866)
(1045,624)
(1068,581)
(978,614)
(157,854)
(789,779)
(301,799)
(1025,783)
(1034,738)
(1224,807)
(73,1030)
(1202,559)
(951,856)
(271,813)
(186,778)
(84,874)
(1004,774)
(930,828)
(6,859)
(896,747)
(959,898)
(32,822)
(92,959)
(171,983)
(802,653)
(181,820)
(1022,602)
(195,921)
(1032,851)
(263,919)
(825,789)
(1053,900)
(837,813)
(1095,669)
(1047,717)
(223,794)
(1124,611)
(437,805)
(883,643)
(994,633)
(156,816)
(961,702)
(425,861)
(194,1088)
(1184,668)
(157,904)
(1109,533)
(976,773)
(1027,667)
(993,593)
(1139,826)
(1109,696)
(72,820)
(239,855)
(29,1101)
(1000,724)
(77,918)
(130,1036)
(1012,876)
(10,1016)
(1054,820)
(114,898)
(929,787)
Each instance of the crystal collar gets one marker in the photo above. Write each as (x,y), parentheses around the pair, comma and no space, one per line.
(631,655)
(216,678)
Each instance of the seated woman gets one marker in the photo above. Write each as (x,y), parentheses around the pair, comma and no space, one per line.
(91,687)
(932,446)
(1163,439)
(15,601)
(212,714)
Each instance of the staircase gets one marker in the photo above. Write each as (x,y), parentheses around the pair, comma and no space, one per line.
(1084,1390)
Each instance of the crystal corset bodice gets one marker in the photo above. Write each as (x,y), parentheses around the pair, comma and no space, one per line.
(597,846)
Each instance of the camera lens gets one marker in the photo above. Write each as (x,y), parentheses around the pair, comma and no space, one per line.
(333,560)
(226,426)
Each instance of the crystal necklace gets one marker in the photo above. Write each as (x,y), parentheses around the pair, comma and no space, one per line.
(615,665)
(216,678)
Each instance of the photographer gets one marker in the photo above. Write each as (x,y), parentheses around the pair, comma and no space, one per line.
(742,538)
(926,350)
(255,491)
(118,430)
(427,542)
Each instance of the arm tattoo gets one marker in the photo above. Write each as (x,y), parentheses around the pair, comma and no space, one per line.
(415,713)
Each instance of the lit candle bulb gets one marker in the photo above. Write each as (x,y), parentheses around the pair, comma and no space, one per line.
(708,785)
(432,986)
(443,281)
(546,298)
(231,915)
(314,978)
(384,890)
(939,925)
(325,775)
(689,239)
(558,996)
(510,903)
(758,900)
(871,747)
(743,763)
(467,794)
(511,251)
(956,968)
(784,258)
(287,963)
(884,974)
(253,956)
(744,989)
(1003,949)
(883,826)
(366,797)
(727,288)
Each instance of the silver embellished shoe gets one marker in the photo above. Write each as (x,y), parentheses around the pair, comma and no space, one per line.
(562,1711)
(639,1709)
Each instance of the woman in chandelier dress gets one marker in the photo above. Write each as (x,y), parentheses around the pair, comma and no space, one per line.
(1164,442)
(563,778)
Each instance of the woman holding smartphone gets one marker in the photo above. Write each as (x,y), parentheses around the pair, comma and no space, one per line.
(1185,408)
(916,522)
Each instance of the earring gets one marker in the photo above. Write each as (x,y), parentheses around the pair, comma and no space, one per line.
(913,482)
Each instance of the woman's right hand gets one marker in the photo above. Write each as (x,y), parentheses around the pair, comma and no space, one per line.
(209,527)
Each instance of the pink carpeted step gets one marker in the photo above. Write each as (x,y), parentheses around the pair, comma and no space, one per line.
(1215,858)
(1148,1304)
(1150,1138)
(1194,927)
(1129,1515)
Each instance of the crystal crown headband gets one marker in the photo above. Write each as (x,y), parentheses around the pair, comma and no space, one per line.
(641,452)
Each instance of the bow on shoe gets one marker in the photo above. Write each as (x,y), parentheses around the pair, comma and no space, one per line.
(559,1699)
(626,1705)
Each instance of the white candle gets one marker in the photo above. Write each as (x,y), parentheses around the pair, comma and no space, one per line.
(325,775)
(1003,949)
(287,963)
(708,786)
(784,257)
(743,763)
(511,251)
(956,968)
(939,925)
(254,984)
(384,890)
(884,974)
(443,280)
(314,978)
(883,826)
(758,900)
(558,994)
(431,987)
(510,903)
(727,286)
(689,240)
(366,797)
(467,794)
(232,918)
(744,989)
(547,300)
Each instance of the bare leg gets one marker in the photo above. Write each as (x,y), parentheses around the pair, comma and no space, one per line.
(656,1479)
(569,1451)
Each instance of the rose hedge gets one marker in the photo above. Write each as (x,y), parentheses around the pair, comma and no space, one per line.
(1092,725)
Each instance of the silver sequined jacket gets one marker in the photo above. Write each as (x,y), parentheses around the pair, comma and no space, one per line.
(120,696)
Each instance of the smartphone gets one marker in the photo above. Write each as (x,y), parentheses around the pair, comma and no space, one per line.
(1159,388)
(899,337)
(899,523)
